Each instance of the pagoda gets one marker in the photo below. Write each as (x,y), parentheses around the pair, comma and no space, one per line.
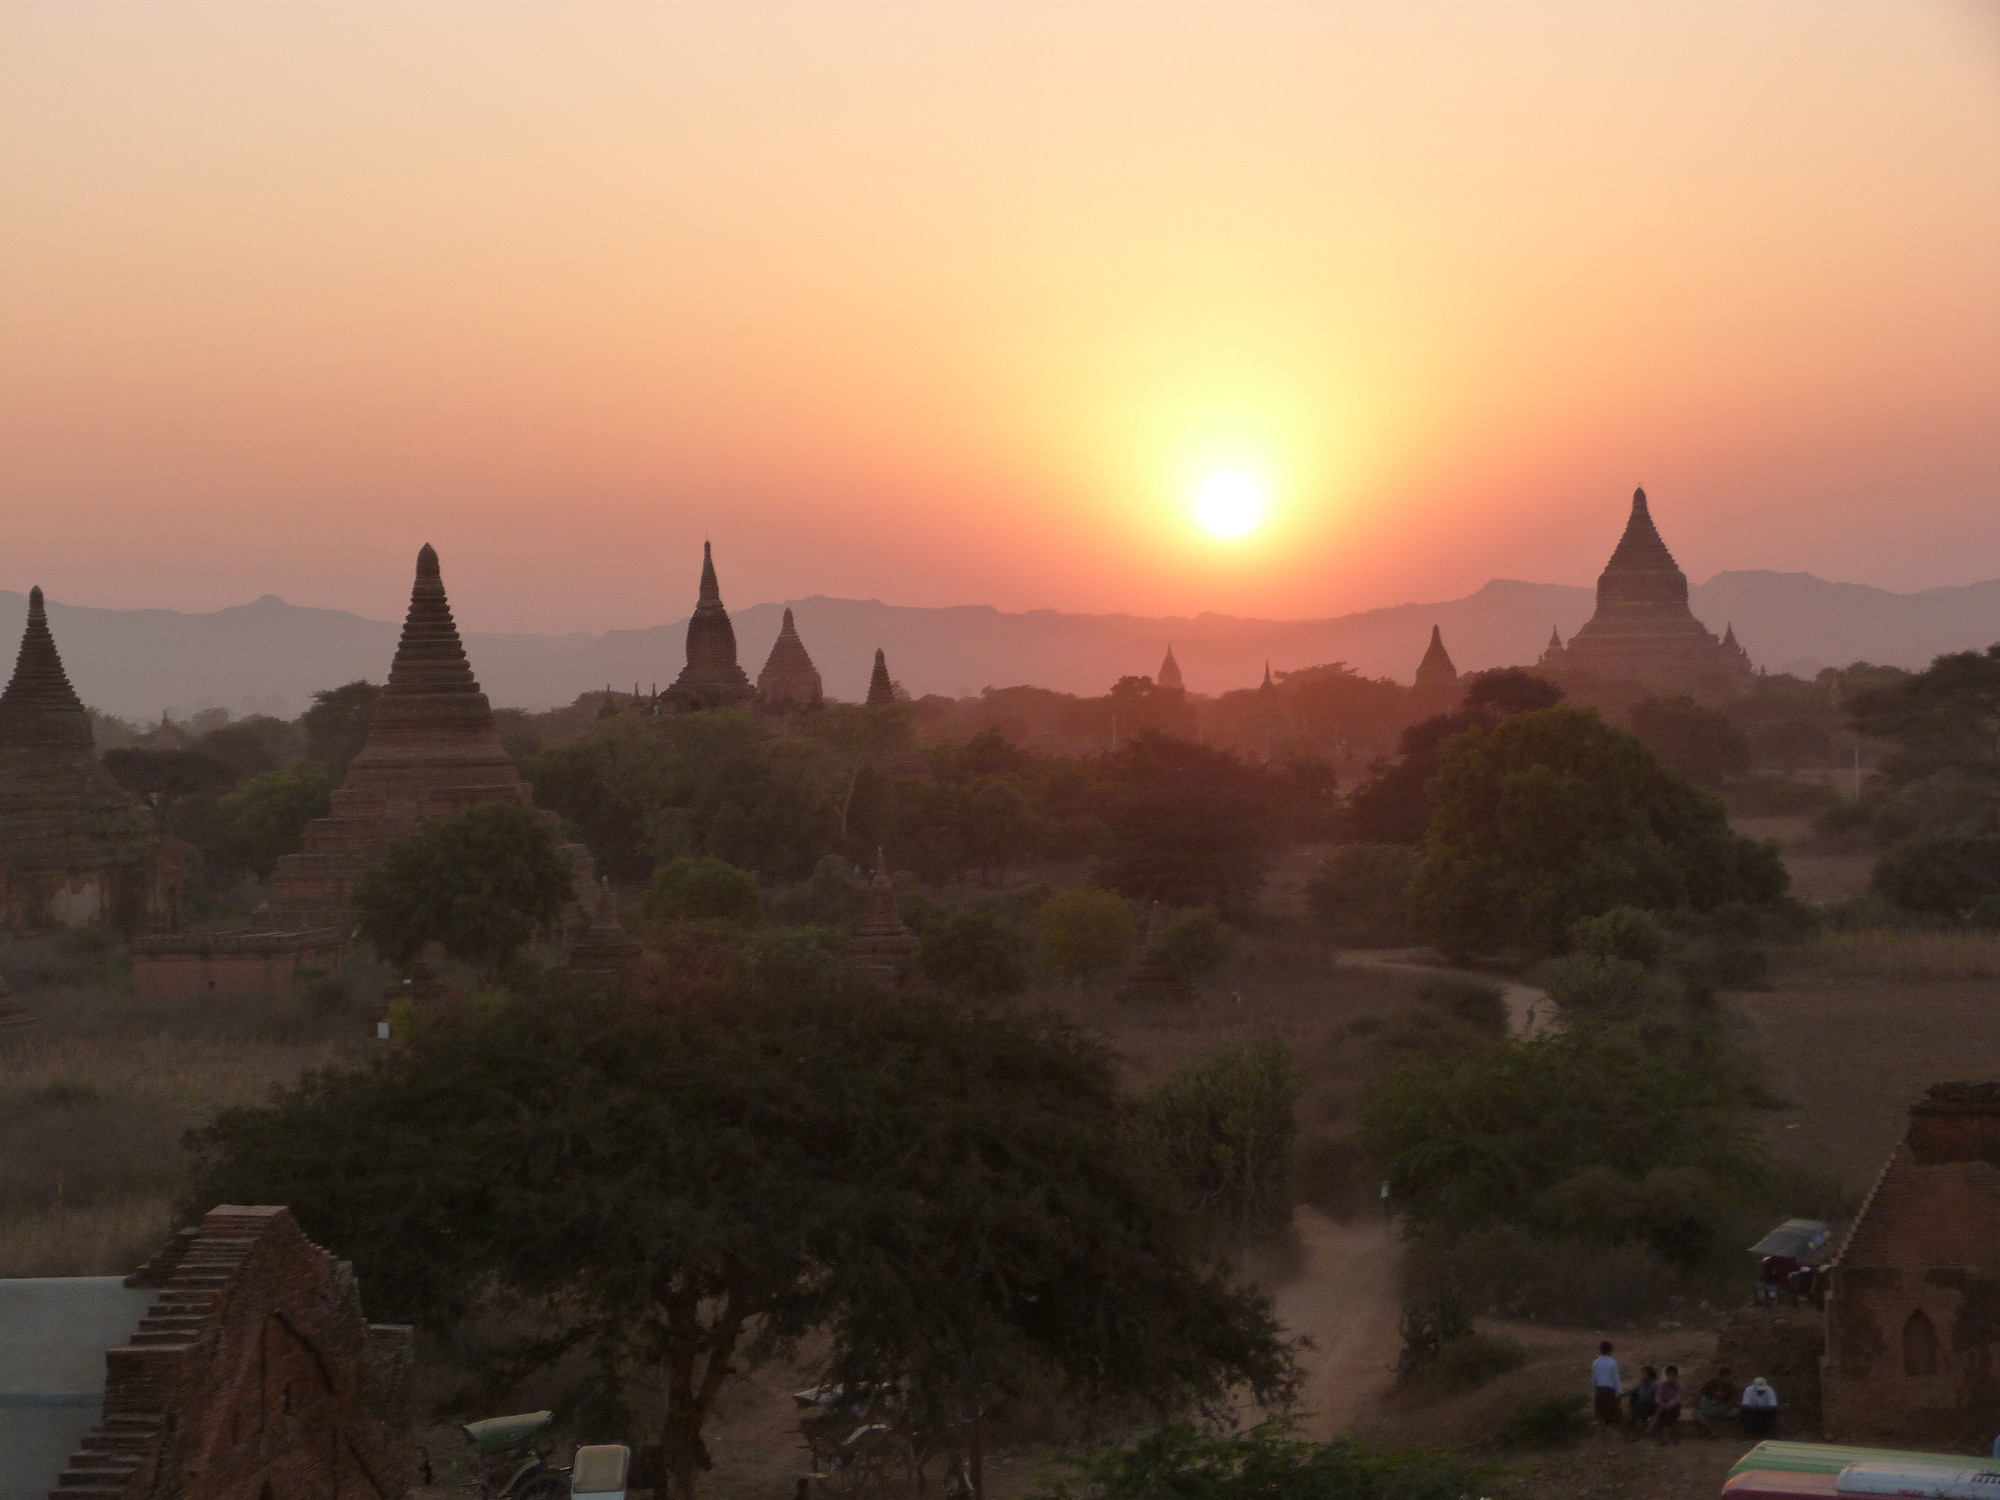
(711,678)
(602,950)
(1643,632)
(432,751)
(881,691)
(789,679)
(1170,673)
(76,849)
(882,947)
(1436,688)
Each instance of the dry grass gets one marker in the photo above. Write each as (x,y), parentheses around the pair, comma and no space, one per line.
(90,1138)
(1905,957)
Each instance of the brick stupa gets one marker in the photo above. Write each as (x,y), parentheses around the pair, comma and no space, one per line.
(432,751)
(1643,631)
(882,947)
(1170,673)
(76,849)
(789,679)
(1150,977)
(711,678)
(881,691)
(1436,688)
(603,950)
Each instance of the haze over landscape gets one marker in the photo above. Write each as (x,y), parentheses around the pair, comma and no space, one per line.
(999,750)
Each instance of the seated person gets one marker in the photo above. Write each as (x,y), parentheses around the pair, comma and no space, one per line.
(1644,1397)
(1715,1402)
(1760,1409)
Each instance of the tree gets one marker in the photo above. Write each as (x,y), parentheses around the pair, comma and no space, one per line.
(1224,1129)
(266,816)
(1554,816)
(1269,1461)
(482,883)
(973,951)
(1084,931)
(1362,892)
(251,746)
(1705,746)
(1509,690)
(1194,944)
(336,726)
(1954,876)
(939,1190)
(698,890)
(1646,1121)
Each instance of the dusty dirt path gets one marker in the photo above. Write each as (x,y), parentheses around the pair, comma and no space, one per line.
(1344,1298)
(1529,1012)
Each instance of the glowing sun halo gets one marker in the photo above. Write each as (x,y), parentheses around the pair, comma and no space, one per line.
(1230,502)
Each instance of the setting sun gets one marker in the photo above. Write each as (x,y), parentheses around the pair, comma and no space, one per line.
(1230,502)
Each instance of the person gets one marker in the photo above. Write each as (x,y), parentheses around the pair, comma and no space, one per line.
(1644,1396)
(1667,1421)
(1760,1408)
(1996,1447)
(1605,1384)
(1715,1402)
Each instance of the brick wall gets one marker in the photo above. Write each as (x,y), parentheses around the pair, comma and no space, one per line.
(254,1368)
(1913,1314)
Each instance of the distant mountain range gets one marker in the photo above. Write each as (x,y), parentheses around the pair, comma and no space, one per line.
(269,656)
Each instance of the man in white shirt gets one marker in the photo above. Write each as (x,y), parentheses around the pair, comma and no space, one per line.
(1760,1408)
(1605,1384)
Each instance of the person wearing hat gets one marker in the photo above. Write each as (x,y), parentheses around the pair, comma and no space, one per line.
(1760,1408)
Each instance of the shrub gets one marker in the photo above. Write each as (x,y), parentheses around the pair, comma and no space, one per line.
(1268,1461)
(1467,1363)
(1333,1173)
(701,890)
(1361,890)
(1623,932)
(1427,1325)
(1196,943)
(974,952)
(1956,877)
(1478,1002)
(1584,985)
(1084,931)
(830,897)
(1224,1129)
(1547,1423)
(796,960)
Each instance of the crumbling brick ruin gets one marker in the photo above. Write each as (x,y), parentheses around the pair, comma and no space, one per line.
(1913,1315)
(254,1374)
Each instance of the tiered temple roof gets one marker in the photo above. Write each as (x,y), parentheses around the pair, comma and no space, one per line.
(789,678)
(1643,630)
(432,750)
(711,678)
(881,690)
(882,947)
(1170,672)
(1436,688)
(76,849)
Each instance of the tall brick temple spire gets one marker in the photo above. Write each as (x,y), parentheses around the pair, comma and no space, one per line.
(711,678)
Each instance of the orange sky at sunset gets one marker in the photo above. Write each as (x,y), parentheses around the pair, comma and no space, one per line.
(960,303)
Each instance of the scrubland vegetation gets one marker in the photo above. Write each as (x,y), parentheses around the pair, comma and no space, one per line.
(1715,1052)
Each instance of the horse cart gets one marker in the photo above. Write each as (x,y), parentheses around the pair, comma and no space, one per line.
(862,1442)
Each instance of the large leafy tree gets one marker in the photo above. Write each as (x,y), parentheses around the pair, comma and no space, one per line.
(939,1189)
(1192,826)
(482,883)
(266,816)
(336,726)
(1704,745)
(1553,816)
(1605,1133)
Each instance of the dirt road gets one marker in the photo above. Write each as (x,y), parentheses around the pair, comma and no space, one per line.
(1344,1298)
(1529,1012)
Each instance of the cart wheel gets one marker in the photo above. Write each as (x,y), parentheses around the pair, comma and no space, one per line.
(541,1487)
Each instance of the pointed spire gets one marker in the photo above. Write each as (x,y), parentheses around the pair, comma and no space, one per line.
(429,658)
(1729,634)
(1170,672)
(1266,686)
(882,946)
(39,707)
(880,689)
(1640,549)
(1437,664)
(789,678)
(1555,640)
(711,592)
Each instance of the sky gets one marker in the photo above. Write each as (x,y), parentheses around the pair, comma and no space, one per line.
(964,302)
